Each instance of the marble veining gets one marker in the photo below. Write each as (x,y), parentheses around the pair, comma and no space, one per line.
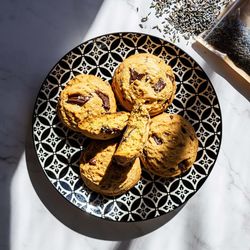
(33,216)
(235,180)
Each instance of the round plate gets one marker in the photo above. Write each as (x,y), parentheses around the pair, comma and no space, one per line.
(59,149)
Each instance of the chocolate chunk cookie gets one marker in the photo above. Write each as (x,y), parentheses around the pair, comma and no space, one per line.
(134,137)
(144,78)
(105,126)
(103,175)
(84,96)
(172,146)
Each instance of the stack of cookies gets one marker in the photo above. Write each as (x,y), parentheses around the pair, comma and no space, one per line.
(144,86)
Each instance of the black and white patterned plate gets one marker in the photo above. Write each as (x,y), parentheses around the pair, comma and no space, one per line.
(59,149)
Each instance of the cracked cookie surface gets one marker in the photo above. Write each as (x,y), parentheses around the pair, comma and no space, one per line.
(103,175)
(172,146)
(105,126)
(134,137)
(84,96)
(147,79)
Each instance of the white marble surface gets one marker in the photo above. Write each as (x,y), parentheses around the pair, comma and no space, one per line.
(34,36)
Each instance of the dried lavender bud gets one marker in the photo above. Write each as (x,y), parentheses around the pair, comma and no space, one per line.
(78,99)
(184,18)
(105,100)
(232,37)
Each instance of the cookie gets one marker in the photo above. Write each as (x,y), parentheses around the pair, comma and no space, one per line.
(172,146)
(103,175)
(147,79)
(105,126)
(134,137)
(83,96)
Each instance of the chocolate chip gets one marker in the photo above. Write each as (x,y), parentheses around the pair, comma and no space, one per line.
(92,161)
(135,75)
(159,86)
(171,117)
(157,140)
(78,99)
(105,100)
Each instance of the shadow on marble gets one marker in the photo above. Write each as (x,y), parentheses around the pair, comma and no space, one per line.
(35,34)
(79,221)
(224,70)
(123,245)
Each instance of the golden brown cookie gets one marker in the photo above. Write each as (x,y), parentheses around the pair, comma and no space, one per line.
(105,126)
(134,137)
(172,145)
(103,175)
(84,96)
(144,78)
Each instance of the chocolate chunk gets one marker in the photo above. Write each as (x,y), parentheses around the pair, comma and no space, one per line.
(183,165)
(108,130)
(92,161)
(159,86)
(157,140)
(140,76)
(135,75)
(78,99)
(105,100)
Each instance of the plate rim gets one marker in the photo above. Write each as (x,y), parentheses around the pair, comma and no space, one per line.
(121,34)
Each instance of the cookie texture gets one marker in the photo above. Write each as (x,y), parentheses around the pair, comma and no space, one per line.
(84,96)
(103,175)
(105,126)
(134,137)
(172,146)
(144,78)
